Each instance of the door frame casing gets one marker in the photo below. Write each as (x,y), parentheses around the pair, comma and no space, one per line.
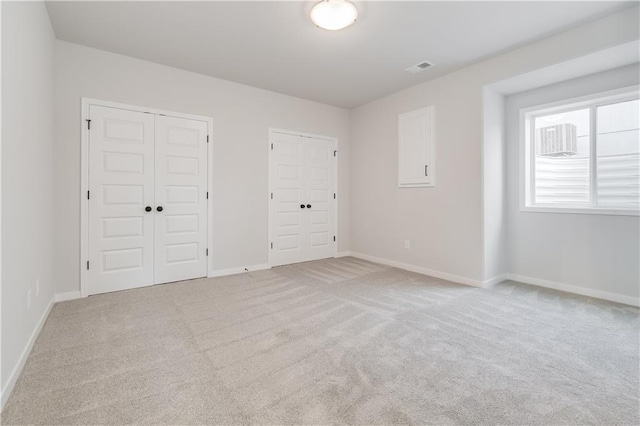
(270,189)
(86,103)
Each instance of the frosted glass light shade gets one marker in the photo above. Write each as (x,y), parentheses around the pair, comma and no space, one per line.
(334,14)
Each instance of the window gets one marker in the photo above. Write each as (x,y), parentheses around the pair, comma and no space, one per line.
(583,155)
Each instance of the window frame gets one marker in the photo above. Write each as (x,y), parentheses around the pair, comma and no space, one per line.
(527,150)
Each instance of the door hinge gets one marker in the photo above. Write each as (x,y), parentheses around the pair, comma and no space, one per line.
(334,195)
(207,252)
(334,238)
(426,173)
(271,245)
(88,124)
(207,138)
(87,265)
(272,195)
(207,195)
(335,153)
(88,195)
(271,147)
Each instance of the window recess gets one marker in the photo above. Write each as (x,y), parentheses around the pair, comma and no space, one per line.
(583,155)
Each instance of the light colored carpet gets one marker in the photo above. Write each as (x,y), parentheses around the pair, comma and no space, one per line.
(333,341)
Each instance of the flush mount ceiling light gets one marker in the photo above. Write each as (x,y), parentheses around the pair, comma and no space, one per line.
(334,14)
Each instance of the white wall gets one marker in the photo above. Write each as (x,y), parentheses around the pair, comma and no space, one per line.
(241,115)
(27,178)
(592,252)
(493,185)
(445,223)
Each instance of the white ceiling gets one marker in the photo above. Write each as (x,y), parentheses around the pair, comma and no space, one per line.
(274,45)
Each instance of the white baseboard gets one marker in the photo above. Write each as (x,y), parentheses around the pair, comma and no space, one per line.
(6,392)
(343,254)
(239,270)
(495,280)
(569,288)
(598,294)
(425,271)
(63,297)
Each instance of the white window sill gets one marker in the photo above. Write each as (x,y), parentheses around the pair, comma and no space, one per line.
(580,210)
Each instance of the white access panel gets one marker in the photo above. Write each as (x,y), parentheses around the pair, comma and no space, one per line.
(416,148)
(302,207)
(181,199)
(121,186)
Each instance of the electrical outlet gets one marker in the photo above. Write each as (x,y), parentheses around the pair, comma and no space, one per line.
(407,244)
(38,287)
(28,299)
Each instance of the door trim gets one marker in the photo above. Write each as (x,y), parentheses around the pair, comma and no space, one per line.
(84,178)
(273,130)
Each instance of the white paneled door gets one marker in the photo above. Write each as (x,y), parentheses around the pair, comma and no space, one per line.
(147,195)
(181,199)
(121,185)
(302,213)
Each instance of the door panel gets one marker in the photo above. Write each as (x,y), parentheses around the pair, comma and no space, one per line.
(301,173)
(287,177)
(320,190)
(181,191)
(121,183)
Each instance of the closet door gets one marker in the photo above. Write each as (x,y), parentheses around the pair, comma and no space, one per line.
(320,215)
(302,207)
(181,199)
(289,227)
(121,187)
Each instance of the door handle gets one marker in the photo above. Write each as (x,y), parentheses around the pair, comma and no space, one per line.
(302,206)
(148,209)
(308,206)
(425,170)
(159,208)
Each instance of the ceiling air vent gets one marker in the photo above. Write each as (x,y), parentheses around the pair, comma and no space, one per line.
(419,67)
